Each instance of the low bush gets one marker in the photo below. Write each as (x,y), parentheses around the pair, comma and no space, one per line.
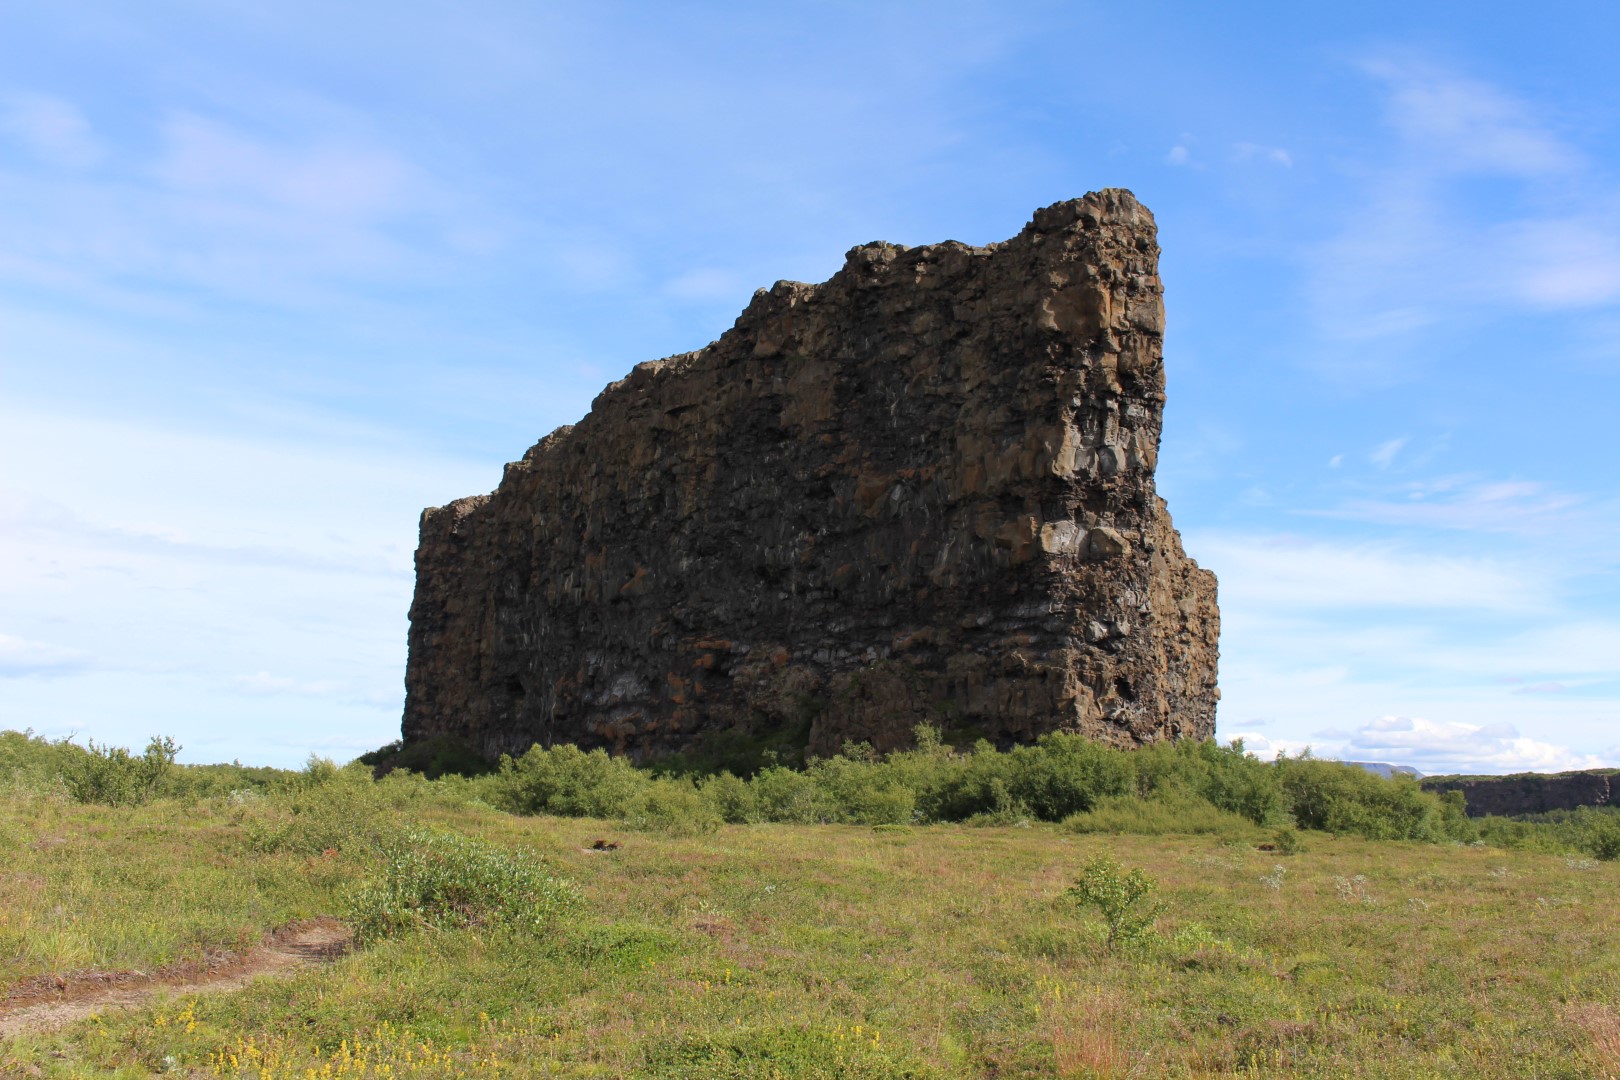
(448,881)
(570,782)
(1123,898)
(788,796)
(1224,776)
(112,776)
(677,807)
(1593,831)
(730,796)
(1344,799)
(31,764)
(323,809)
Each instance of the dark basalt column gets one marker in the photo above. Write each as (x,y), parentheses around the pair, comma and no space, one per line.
(921,491)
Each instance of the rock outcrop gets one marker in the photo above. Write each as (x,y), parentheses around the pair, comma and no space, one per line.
(1531,793)
(921,491)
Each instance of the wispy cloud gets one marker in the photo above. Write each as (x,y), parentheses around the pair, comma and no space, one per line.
(1416,252)
(1384,454)
(326,177)
(53,130)
(210,210)
(19,657)
(1464,124)
(1272,155)
(1467,503)
(1293,573)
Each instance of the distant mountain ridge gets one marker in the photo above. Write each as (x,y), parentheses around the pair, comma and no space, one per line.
(1384,769)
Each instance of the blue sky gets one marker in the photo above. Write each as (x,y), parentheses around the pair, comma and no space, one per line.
(273,277)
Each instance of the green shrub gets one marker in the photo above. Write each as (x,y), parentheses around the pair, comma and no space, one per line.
(1124,899)
(675,806)
(860,790)
(1165,811)
(1604,840)
(956,787)
(112,776)
(323,809)
(32,764)
(448,881)
(783,795)
(1225,776)
(1065,774)
(566,781)
(730,796)
(433,758)
(1288,842)
(1339,798)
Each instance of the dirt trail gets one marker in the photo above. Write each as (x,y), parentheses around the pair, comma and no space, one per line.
(47,1004)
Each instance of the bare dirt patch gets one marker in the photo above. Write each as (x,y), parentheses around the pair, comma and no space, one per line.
(52,1001)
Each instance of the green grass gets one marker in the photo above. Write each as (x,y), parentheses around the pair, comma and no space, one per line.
(819,951)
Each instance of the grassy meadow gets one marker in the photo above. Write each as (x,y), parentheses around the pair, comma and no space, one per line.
(718,941)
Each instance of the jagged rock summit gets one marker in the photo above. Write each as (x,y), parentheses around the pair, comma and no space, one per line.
(921,491)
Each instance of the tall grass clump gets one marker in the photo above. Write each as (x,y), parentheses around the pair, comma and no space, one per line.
(1162,812)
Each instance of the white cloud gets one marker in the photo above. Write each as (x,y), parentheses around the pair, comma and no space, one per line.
(1431,747)
(53,130)
(1335,461)
(1460,747)
(1266,749)
(1178,155)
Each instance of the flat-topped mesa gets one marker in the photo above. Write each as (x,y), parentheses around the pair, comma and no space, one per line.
(920,492)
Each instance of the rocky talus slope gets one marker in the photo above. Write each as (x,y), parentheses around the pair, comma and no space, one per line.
(921,491)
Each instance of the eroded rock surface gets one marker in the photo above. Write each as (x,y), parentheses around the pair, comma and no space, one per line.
(1531,793)
(921,491)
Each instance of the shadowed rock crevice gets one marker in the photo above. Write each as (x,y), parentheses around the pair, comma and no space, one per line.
(921,491)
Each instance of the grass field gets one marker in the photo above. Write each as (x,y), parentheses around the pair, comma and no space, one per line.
(771,950)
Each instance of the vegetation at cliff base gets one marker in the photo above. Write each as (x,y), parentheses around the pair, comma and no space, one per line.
(930,914)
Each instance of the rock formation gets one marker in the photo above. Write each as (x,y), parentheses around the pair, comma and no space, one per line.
(1531,793)
(921,491)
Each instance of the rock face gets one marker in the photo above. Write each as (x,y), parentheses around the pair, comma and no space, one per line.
(1531,793)
(921,491)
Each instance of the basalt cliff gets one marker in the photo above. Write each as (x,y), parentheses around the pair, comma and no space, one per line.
(919,492)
